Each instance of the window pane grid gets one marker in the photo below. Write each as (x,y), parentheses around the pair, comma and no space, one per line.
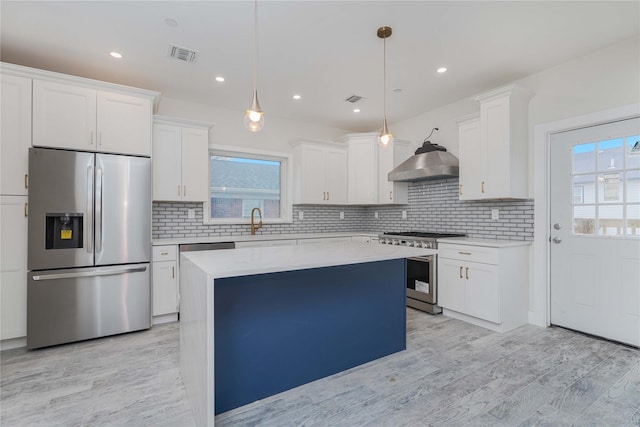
(606,187)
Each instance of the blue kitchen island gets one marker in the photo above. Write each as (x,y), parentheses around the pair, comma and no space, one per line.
(259,321)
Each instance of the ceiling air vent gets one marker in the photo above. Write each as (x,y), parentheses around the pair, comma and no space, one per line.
(353,99)
(182,53)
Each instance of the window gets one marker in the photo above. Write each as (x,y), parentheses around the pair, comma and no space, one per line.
(243,180)
(606,187)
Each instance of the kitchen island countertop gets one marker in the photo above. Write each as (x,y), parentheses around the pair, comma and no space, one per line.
(260,260)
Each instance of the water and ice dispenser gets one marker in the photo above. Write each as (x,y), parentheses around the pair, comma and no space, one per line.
(64,231)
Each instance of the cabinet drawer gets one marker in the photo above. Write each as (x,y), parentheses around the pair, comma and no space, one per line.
(468,253)
(164,253)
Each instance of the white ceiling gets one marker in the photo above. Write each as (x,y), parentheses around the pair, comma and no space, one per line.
(322,50)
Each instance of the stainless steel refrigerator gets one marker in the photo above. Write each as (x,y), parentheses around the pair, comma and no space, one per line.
(89,246)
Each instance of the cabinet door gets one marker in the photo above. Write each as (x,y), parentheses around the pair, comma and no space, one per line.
(482,291)
(472,165)
(388,158)
(13,267)
(123,124)
(363,171)
(451,285)
(15,134)
(312,187)
(64,116)
(195,165)
(165,288)
(336,176)
(166,160)
(495,127)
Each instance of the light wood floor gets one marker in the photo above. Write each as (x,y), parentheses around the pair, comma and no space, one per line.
(452,374)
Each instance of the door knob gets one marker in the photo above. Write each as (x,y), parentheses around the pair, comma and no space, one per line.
(557,226)
(557,240)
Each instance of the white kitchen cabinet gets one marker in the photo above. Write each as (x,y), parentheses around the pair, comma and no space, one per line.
(13,267)
(362,169)
(84,118)
(390,192)
(496,168)
(484,285)
(15,134)
(180,160)
(320,173)
(165,280)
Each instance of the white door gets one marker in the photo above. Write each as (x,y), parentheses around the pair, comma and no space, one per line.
(595,230)
(124,124)
(195,165)
(167,170)
(336,176)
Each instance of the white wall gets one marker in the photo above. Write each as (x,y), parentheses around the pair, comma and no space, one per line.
(229,127)
(603,80)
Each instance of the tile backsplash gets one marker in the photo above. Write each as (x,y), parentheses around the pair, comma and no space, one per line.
(433,206)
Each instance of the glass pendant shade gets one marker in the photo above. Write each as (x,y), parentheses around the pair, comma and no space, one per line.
(254,117)
(385,138)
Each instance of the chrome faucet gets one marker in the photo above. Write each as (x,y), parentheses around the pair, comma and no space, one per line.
(255,227)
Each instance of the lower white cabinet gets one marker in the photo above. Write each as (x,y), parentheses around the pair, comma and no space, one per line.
(13,267)
(165,280)
(486,286)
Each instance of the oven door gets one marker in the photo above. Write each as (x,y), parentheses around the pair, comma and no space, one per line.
(422,290)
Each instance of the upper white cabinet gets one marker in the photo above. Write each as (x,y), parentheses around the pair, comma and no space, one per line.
(180,160)
(15,134)
(497,167)
(83,118)
(362,169)
(368,166)
(390,192)
(320,173)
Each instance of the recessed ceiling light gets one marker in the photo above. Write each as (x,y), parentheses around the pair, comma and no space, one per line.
(171,22)
(442,70)
(116,54)
(220,79)
(296,97)
(356,110)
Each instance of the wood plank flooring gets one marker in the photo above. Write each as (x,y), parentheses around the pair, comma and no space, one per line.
(452,374)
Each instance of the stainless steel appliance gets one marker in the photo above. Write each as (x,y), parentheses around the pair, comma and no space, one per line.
(422,277)
(89,246)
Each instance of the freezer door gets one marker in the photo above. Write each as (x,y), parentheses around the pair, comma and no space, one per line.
(60,221)
(123,209)
(82,303)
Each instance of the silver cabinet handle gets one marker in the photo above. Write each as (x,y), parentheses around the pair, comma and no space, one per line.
(26,181)
(173,272)
(327,195)
(178,189)
(557,240)
(93,273)
(26,209)
(464,253)
(467,273)
(390,195)
(461,272)
(324,195)
(483,186)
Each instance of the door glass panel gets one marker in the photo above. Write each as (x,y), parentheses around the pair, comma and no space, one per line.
(633,186)
(584,158)
(584,189)
(633,152)
(610,187)
(584,219)
(610,155)
(610,221)
(633,220)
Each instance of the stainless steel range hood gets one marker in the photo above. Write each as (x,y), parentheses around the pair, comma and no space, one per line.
(430,162)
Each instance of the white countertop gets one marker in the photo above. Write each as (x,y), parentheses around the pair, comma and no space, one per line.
(259,260)
(490,243)
(256,238)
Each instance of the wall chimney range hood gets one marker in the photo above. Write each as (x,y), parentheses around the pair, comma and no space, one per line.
(430,162)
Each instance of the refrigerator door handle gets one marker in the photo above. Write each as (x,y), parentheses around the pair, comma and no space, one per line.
(98,219)
(90,208)
(93,273)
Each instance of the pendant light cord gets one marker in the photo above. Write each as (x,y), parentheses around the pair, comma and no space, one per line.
(384,76)
(255,46)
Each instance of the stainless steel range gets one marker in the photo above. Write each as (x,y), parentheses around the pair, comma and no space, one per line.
(422,278)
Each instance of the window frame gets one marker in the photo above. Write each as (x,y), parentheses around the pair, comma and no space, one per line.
(286,183)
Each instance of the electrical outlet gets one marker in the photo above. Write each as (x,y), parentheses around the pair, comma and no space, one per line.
(375,215)
(495,214)
(191,213)
(300,215)
(404,214)
(341,215)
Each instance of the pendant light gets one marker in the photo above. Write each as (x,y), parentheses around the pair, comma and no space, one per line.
(385,138)
(254,117)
